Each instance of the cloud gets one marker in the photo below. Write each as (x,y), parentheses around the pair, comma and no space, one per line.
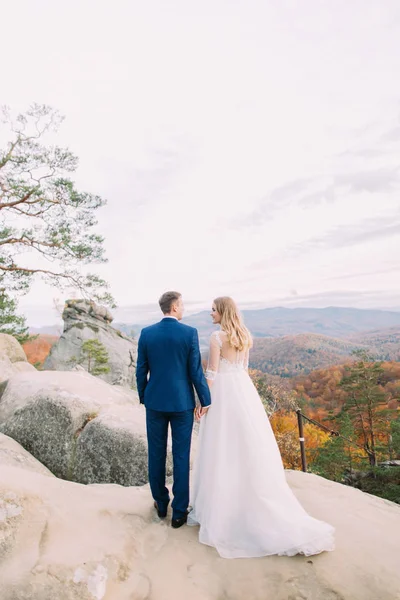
(393,135)
(139,313)
(372,181)
(392,269)
(275,201)
(226,154)
(365,153)
(353,234)
(350,298)
(380,180)
(138,189)
(370,298)
(285,193)
(326,195)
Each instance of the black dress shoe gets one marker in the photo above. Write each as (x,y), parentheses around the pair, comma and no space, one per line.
(176,523)
(161,514)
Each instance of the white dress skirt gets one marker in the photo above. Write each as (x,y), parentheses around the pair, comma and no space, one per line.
(240,497)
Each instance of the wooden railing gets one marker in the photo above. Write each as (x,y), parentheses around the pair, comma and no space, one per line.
(332,432)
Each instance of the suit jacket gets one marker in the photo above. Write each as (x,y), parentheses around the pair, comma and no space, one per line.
(169,351)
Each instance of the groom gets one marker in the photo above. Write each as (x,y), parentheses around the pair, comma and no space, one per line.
(169,351)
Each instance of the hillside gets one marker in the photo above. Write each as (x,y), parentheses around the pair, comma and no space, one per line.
(294,354)
(289,342)
(331,321)
(385,343)
(276,322)
(321,391)
(286,356)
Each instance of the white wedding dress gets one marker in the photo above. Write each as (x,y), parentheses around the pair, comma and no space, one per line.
(240,497)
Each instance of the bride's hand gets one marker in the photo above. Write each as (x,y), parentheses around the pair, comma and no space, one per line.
(201,411)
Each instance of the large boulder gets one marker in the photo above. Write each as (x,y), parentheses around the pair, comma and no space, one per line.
(84,320)
(78,426)
(14,455)
(12,358)
(11,348)
(112,447)
(104,542)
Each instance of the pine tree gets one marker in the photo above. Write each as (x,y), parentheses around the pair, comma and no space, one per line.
(10,322)
(43,213)
(395,438)
(339,455)
(364,399)
(93,356)
(96,356)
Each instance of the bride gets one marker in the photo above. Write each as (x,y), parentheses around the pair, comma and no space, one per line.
(240,497)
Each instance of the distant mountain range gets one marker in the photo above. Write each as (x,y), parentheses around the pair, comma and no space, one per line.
(288,342)
(299,340)
(384,342)
(293,355)
(276,322)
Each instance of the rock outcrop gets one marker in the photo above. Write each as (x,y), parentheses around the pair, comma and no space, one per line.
(12,357)
(65,541)
(13,454)
(113,448)
(78,426)
(84,320)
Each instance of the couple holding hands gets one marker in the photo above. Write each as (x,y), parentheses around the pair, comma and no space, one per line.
(239,497)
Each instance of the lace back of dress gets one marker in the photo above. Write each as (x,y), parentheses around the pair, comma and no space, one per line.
(223,358)
(230,358)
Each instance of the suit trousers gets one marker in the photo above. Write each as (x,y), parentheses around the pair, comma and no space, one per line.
(157,435)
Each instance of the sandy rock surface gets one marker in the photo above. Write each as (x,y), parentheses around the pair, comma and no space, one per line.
(68,541)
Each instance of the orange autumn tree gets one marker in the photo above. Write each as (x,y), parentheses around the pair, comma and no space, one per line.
(37,349)
(280,403)
(286,431)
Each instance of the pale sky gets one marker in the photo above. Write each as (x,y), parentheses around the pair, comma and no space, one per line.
(246,147)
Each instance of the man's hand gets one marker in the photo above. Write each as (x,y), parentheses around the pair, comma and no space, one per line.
(201,411)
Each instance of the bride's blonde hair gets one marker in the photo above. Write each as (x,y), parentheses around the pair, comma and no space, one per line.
(239,337)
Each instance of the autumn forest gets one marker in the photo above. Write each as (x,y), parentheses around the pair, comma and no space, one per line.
(346,385)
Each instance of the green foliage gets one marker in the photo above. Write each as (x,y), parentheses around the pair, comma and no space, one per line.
(42,212)
(82,326)
(382,482)
(395,438)
(94,357)
(339,455)
(10,322)
(362,402)
(78,325)
(364,397)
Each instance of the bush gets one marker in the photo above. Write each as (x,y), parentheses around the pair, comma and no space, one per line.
(382,482)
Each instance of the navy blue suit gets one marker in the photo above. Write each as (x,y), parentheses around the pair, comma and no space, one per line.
(169,351)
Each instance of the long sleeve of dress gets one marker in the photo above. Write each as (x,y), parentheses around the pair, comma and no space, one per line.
(213,357)
(196,372)
(246,359)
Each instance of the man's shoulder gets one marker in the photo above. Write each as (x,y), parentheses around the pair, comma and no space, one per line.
(188,328)
(149,328)
(157,328)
